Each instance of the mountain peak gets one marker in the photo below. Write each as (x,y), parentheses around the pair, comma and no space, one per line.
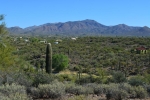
(87,26)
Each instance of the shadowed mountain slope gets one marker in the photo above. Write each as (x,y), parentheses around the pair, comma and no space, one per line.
(84,27)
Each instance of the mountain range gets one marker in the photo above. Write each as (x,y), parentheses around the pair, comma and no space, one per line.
(81,28)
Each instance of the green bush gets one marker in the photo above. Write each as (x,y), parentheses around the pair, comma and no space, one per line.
(118,77)
(60,62)
(42,78)
(146,78)
(136,81)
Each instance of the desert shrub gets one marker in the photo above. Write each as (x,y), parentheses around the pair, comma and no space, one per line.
(16,96)
(114,92)
(147,87)
(140,92)
(54,90)
(13,92)
(76,68)
(42,78)
(146,78)
(35,92)
(128,88)
(88,90)
(100,80)
(119,91)
(87,79)
(68,86)
(15,77)
(118,77)
(22,79)
(134,91)
(3,97)
(91,85)
(100,89)
(5,78)
(78,89)
(66,77)
(14,88)
(135,81)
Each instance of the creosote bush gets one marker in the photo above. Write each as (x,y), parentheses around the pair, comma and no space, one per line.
(53,90)
(42,78)
(118,91)
(16,96)
(140,92)
(118,77)
(78,90)
(22,79)
(13,92)
(136,81)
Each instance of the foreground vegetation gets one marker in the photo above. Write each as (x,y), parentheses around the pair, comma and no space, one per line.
(83,68)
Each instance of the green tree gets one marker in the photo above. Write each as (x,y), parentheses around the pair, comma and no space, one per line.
(2,31)
(2,26)
(60,62)
(6,56)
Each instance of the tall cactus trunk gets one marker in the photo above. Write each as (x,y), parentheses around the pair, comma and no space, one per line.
(49,58)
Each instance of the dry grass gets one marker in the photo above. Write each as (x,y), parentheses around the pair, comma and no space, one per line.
(68,72)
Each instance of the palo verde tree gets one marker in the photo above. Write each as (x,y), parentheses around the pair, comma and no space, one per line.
(60,62)
(6,56)
(2,30)
(49,58)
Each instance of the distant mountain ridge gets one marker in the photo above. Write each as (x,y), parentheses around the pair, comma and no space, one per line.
(79,28)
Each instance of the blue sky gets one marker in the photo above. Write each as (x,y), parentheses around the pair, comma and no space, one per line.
(26,13)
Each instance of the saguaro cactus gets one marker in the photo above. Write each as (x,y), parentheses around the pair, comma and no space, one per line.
(49,58)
